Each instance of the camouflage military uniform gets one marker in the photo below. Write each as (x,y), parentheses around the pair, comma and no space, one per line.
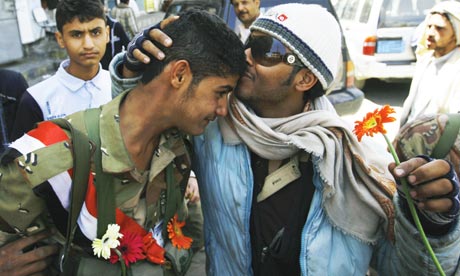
(421,136)
(30,166)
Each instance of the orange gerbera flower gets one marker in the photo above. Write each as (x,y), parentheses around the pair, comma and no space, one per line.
(373,122)
(153,251)
(178,238)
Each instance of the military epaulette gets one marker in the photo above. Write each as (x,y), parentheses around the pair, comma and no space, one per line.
(42,164)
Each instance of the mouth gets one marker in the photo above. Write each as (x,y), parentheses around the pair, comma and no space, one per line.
(90,55)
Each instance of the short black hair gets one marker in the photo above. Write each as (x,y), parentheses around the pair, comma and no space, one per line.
(206,42)
(84,10)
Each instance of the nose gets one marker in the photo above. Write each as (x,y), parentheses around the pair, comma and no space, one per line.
(222,107)
(88,42)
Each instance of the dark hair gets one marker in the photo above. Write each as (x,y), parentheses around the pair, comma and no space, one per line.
(314,92)
(206,42)
(84,10)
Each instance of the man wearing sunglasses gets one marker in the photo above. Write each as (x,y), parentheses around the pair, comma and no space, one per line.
(286,189)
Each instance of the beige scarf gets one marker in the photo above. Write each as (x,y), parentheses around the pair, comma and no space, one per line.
(357,187)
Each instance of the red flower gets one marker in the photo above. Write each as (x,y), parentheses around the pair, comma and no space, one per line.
(153,251)
(373,122)
(130,248)
(175,234)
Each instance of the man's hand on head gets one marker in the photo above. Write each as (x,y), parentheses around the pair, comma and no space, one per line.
(136,56)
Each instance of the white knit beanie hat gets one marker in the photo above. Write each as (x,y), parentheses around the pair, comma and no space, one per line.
(310,32)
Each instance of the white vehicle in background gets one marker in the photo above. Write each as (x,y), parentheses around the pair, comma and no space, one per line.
(380,36)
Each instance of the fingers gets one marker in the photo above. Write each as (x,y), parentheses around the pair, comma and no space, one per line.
(428,183)
(41,252)
(20,244)
(142,57)
(149,47)
(36,268)
(436,205)
(32,262)
(436,188)
(168,20)
(429,171)
(192,192)
(418,171)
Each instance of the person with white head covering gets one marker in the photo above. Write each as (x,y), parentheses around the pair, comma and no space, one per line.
(435,86)
(285,187)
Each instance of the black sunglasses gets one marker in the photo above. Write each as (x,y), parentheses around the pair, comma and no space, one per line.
(268,51)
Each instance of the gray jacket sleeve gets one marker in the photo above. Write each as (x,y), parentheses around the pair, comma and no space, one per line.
(120,84)
(408,255)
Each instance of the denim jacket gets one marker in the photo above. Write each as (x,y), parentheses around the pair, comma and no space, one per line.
(226,195)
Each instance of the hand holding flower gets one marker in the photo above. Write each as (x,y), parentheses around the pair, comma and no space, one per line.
(372,124)
(427,182)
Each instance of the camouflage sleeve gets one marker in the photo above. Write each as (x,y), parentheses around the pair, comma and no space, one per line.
(19,205)
(421,136)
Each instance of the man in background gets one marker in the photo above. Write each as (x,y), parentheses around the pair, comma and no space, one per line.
(435,84)
(118,41)
(125,15)
(12,86)
(247,12)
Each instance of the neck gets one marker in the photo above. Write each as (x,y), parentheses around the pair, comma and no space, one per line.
(141,136)
(83,73)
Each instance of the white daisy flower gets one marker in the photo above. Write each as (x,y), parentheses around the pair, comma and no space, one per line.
(101,247)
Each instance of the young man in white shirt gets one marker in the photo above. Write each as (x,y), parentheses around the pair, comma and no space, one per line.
(80,82)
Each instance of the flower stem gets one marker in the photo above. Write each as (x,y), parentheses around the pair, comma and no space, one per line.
(122,262)
(413,211)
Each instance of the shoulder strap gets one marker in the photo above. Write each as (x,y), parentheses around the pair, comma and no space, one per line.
(448,137)
(81,155)
(103,182)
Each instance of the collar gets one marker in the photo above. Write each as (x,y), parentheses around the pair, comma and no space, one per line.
(115,156)
(73,83)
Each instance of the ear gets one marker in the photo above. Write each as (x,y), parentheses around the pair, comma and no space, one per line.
(59,39)
(305,80)
(180,73)
(107,32)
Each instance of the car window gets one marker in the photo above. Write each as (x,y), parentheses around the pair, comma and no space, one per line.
(366,11)
(404,13)
(347,9)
